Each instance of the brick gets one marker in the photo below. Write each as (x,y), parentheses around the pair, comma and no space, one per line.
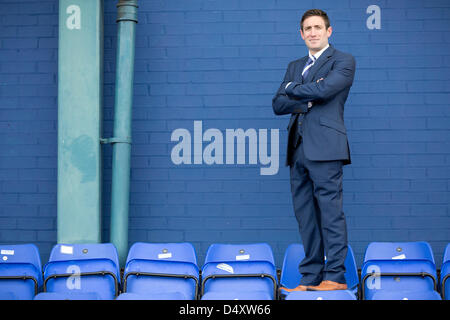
(204,210)
(204,17)
(224,6)
(426,160)
(166,236)
(148,223)
(35,224)
(19,43)
(391,161)
(26,236)
(391,185)
(166,17)
(219,223)
(408,173)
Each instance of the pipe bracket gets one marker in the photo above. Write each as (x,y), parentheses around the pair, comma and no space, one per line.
(115,140)
(127,10)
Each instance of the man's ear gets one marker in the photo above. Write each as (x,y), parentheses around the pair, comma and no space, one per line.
(301,33)
(329,31)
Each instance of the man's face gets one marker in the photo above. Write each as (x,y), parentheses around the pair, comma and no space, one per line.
(315,34)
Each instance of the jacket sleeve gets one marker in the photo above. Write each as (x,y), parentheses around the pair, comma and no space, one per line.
(339,78)
(282,103)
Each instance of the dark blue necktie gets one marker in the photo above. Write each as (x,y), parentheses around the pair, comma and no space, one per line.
(307,67)
(299,128)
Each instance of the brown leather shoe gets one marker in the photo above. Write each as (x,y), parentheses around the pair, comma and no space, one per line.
(298,288)
(328,285)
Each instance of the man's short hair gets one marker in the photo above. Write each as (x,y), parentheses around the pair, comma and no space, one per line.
(316,12)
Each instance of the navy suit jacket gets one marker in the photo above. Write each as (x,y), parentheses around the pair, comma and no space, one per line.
(324,135)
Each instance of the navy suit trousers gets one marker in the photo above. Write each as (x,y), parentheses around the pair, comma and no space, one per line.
(317,193)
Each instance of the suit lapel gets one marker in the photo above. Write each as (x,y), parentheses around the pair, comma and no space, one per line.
(324,57)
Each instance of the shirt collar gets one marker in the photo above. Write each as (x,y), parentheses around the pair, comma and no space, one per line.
(318,54)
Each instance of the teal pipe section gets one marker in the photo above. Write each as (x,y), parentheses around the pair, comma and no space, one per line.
(120,193)
(80,95)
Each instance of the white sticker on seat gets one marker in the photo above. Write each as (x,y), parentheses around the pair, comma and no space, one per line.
(400,257)
(165,255)
(225,267)
(7,252)
(243,257)
(66,250)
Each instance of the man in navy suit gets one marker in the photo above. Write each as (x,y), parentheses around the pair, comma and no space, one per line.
(313,92)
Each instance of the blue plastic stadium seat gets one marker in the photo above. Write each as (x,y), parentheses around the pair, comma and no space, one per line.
(7,296)
(237,295)
(398,266)
(20,272)
(67,296)
(406,295)
(291,276)
(321,295)
(445,274)
(154,296)
(239,268)
(162,268)
(83,268)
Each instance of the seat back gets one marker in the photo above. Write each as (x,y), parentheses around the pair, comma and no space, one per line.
(295,253)
(67,296)
(322,295)
(406,295)
(237,295)
(420,251)
(290,274)
(446,258)
(152,296)
(403,266)
(7,296)
(351,271)
(445,274)
(239,267)
(174,252)
(219,253)
(20,271)
(162,268)
(83,268)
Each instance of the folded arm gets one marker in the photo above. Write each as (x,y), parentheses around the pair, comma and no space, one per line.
(283,104)
(338,79)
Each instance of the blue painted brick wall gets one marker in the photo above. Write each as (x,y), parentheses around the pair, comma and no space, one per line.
(28,122)
(220,62)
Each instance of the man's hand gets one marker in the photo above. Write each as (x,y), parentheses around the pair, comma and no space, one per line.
(310,103)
